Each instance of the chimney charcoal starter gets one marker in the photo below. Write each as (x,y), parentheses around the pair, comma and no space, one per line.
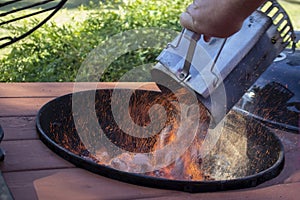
(222,70)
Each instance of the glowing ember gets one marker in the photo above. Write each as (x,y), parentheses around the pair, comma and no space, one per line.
(186,166)
(144,108)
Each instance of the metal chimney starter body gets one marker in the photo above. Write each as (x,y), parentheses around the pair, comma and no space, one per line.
(222,70)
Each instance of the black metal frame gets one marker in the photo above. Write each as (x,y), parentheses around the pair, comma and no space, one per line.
(12,40)
(282,75)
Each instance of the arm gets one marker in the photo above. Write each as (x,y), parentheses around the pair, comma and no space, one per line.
(217,18)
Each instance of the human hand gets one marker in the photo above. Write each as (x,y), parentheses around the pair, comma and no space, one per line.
(217,18)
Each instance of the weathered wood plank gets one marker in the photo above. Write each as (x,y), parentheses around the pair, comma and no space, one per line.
(21,106)
(291,141)
(79,184)
(57,89)
(32,171)
(276,192)
(289,175)
(30,155)
(73,184)
(18,128)
(19,100)
(36,89)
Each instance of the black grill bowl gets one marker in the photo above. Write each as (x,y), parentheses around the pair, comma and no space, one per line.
(264,151)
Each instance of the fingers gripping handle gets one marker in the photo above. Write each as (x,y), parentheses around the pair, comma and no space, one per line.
(184,74)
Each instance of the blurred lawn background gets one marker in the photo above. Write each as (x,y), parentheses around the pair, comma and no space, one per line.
(55,51)
(291,6)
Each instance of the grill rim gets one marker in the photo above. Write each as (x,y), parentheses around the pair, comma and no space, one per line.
(156,182)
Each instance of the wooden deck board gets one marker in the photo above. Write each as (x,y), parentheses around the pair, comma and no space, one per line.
(25,155)
(42,89)
(282,192)
(18,128)
(21,106)
(79,184)
(58,89)
(73,184)
(32,171)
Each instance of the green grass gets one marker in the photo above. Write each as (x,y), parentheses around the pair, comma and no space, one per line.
(70,4)
(56,51)
(73,11)
(292,7)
